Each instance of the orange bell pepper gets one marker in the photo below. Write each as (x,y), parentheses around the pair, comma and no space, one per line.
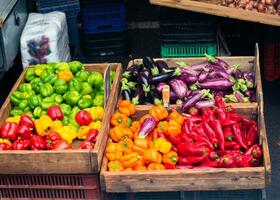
(170,158)
(115,166)
(65,75)
(140,168)
(114,151)
(135,127)
(140,145)
(152,156)
(130,160)
(162,127)
(127,108)
(118,132)
(162,145)
(174,128)
(177,117)
(126,144)
(158,112)
(155,166)
(128,169)
(119,119)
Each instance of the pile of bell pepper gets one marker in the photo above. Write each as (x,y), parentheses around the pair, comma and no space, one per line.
(210,137)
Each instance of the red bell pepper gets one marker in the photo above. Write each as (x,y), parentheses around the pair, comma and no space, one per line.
(51,139)
(229,145)
(175,140)
(227,161)
(209,163)
(62,145)
(21,145)
(254,162)
(252,135)
(193,111)
(185,138)
(24,131)
(26,120)
(191,149)
(87,145)
(210,133)
(228,135)
(191,160)
(37,142)
(4,146)
(83,118)
(219,132)
(55,112)
(92,135)
(243,160)
(238,135)
(213,156)
(169,166)
(255,151)
(9,131)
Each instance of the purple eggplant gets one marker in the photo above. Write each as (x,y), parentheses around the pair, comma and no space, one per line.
(203,76)
(161,65)
(160,87)
(217,61)
(230,71)
(147,127)
(163,77)
(173,95)
(192,101)
(187,78)
(131,71)
(239,97)
(144,80)
(139,95)
(199,66)
(218,93)
(179,87)
(150,64)
(219,74)
(193,92)
(126,94)
(205,104)
(216,84)
(189,71)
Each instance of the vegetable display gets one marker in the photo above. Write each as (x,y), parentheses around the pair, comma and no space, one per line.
(194,85)
(216,137)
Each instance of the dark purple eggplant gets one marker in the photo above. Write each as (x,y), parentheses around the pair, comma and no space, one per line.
(144,81)
(193,92)
(164,77)
(150,64)
(156,98)
(250,95)
(203,76)
(216,84)
(160,87)
(139,95)
(192,101)
(199,66)
(126,95)
(205,104)
(131,72)
(173,95)
(179,87)
(187,78)
(147,127)
(162,65)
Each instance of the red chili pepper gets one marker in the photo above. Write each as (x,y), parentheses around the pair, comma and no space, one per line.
(255,151)
(234,117)
(83,118)
(229,145)
(233,153)
(227,161)
(248,122)
(219,132)
(55,112)
(175,140)
(228,135)
(198,138)
(191,160)
(252,135)
(209,163)
(238,135)
(254,162)
(194,119)
(185,137)
(200,131)
(87,145)
(4,146)
(230,109)
(9,130)
(185,127)
(169,166)
(213,156)
(62,145)
(21,145)
(26,120)
(191,149)
(92,135)
(227,122)
(221,113)
(37,142)
(51,139)
(219,102)
(247,161)
(210,133)
(24,131)
(193,111)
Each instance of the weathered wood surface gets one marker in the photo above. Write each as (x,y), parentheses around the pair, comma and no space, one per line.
(60,162)
(218,10)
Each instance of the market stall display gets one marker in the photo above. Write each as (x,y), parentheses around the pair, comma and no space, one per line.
(58,109)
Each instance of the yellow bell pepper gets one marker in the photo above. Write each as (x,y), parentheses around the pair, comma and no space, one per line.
(162,145)
(43,124)
(56,125)
(67,133)
(5,141)
(95,125)
(65,75)
(114,151)
(96,113)
(13,119)
(83,132)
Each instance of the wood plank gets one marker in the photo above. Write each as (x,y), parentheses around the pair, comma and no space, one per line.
(218,10)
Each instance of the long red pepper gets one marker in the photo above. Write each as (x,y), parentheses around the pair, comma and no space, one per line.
(192,149)
(248,122)
(197,138)
(191,160)
(200,131)
(221,113)
(252,135)
(219,132)
(228,135)
(210,133)
(238,135)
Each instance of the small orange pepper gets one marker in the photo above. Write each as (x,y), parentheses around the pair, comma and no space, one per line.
(140,145)
(126,144)
(115,166)
(130,160)
(128,169)
(162,145)
(155,166)
(119,119)
(127,108)
(135,127)
(170,158)
(177,117)
(158,112)
(118,132)
(113,151)
(162,127)
(152,156)
(65,75)
(140,168)
(174,128)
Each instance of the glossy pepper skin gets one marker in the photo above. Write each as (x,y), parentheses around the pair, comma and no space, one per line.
(192,160)
(4,146)
(252,135)
(192,149)
(86,145)
(37,142)
(140,145)
(238,135)
(84,103)
(60,86)
(24,131)
(83,117)
(162,145)
(21,145)
(65,75)
(46,90)
(120,119)
(193,111)
(55,112)
(210,132)
(158,112)
(155,166)
(9,130)
(162,127)
(171,158)
(29,74)
(126,107)
(152,156)
(227,161)
(26,120)
(228,135)
(174,115)
(115,166)
(219,132)
(113,151)
(95,79)
(130,160)
(72,97)
(255,151)
(51,139)
(62,145)
(43,125)
(92,135)
(173,128)
(118,132)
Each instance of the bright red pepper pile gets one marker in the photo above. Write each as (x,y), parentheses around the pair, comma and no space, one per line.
(218,137)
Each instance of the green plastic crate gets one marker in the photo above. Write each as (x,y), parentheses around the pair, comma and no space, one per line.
(191,50)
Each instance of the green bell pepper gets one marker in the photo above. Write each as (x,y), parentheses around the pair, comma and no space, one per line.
(60,66)
(73,124)
(57,98)
(65,120)
(23,104)
(65,108)
(39,68)
(85,103)
(34,101)
(25,87)
(37,112)
(16,98)
(83,75)
(72,116)
(26,109)
(60,86)
(98,100)
(86,88)
(48,77)
(47,102)
(29,74)
(72,97)
(26,95)
(75,85)
(46,90)
(16,112)
(36,83)
(43,113)
(75,66)
(95,78)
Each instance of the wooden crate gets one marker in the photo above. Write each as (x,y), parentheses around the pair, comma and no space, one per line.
(212,7)
(194,179)
(246,63)
(60,162)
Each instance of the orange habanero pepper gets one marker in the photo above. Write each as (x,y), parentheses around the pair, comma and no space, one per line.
(120,119)
(170,158)
(118,132)
(126,107)
(152,156)
(158,112)
(155,166)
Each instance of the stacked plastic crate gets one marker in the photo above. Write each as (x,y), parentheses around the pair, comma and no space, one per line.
(104,30)
(185,34)
(71,9)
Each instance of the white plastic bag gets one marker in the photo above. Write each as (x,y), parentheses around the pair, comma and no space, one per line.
(45,39)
